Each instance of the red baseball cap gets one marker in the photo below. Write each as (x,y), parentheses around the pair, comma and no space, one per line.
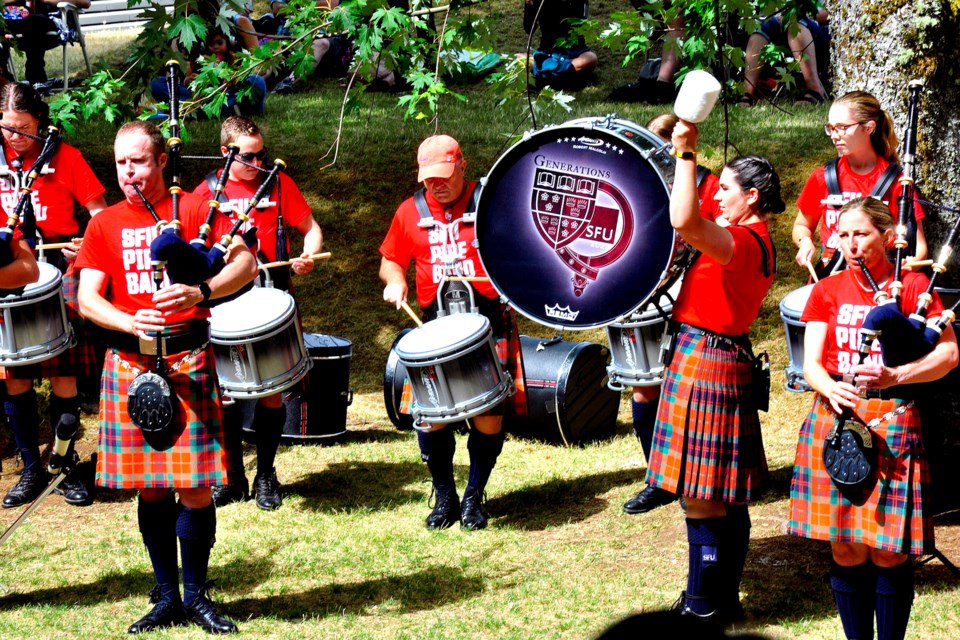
(437,157)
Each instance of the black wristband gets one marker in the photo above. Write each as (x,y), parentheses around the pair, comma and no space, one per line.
(204,291)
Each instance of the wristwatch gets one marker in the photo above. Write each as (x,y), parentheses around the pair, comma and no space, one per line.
(684,155)
(204,291)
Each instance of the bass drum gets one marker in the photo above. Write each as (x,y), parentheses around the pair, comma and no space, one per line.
(573,223)
(393,376)
(567,395)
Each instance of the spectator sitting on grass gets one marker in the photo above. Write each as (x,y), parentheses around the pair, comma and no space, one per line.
(555,64)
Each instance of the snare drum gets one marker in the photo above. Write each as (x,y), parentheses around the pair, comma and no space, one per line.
(635,345)
(258,344)
(573,223)
(35,326)
(791,308)
(453,368)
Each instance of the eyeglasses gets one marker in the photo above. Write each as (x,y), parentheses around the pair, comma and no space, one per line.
(839,129)
(250,156)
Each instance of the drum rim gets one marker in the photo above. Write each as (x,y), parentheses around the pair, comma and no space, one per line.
(221,313)
(464,345)
(497,167)
(66,340)
(249,392)
(36,291)
(792,295)
(490,399)
(280,325)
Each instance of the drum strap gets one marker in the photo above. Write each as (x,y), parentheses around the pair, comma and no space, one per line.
(769,264)
(702,173)
(420,200)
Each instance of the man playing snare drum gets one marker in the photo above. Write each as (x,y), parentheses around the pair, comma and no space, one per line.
(186,454)
(288,208)
(432,234)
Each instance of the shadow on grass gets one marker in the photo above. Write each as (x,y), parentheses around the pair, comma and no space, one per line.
(424,590)
(778,485)
(557,502)
(349,486)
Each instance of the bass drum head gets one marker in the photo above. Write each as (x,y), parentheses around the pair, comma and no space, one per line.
(573,225)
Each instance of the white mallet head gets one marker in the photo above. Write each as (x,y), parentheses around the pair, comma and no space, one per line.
(697,95)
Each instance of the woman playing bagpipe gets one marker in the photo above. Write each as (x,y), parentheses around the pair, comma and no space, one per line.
(876,517)
(52,196)
(864,137)
(119,266)
(707,444)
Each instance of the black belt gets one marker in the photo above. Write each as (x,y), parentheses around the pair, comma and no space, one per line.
(890,393)
(187,337)
(719,340)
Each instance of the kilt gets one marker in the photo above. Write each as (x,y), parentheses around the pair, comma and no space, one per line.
(707,443)
(196,459)
(79,361)
(894,516)
(507,340)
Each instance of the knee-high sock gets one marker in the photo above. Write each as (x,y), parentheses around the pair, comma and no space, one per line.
(63,406)
(705,575)
(197,530)
(23,416)
(268,423)
(437,449)
(735,551)
(233,440)
(894,600)
(853,591)
(158,526)
(644,419)
(484,450)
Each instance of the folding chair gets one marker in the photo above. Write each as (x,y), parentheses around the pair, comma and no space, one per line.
(70,33)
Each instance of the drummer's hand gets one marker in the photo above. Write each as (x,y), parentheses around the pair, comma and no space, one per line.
(395,294)
(177,297)
(874,376)
(147,322)
(805,252)
(842,394)
(302,265)
(70,253)
(907,263)
(685,136)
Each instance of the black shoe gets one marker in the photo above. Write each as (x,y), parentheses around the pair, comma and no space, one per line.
(648,500)
(266,489)
(682,607)
(236,490)
(30,485)
(74,490)
(472,516)
(167,612)
(446,511)
(202,613)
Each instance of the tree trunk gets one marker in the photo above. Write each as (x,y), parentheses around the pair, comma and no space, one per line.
(880,46)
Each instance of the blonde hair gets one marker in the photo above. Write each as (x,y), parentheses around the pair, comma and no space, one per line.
(865,107)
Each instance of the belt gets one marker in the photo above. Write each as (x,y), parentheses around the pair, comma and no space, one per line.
(890,393)
(185,337)
(719,340)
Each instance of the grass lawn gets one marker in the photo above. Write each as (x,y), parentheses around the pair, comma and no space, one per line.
(347,556)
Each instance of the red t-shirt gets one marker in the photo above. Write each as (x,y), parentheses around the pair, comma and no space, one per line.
(854,185)
(117,242)
(293,207)
(842,303)
(406,241)
(726,298)
(56,194)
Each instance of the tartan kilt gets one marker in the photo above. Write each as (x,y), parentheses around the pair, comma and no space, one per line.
(79,361)
(894,516)
(511,360)
(707,443)
(196,459)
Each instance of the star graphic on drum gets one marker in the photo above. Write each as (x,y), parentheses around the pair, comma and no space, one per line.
(589,230)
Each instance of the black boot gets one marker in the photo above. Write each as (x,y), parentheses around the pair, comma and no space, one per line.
(266,490)
(437,449)
(472,516)
(446,509)
(73,488)
(196,529)
(647,500)
(203,613)
(268,423)
(157,521)
(167,612)
(31,484)
(22,415)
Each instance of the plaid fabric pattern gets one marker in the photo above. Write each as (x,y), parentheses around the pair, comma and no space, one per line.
(81,360)
(707,442)
(511,359)
(197,457)
(893,517)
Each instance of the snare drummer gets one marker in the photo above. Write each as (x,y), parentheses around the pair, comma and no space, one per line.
(287,208)
(644,403)
(117,293)
(55,195)
(707,444)
(447,195)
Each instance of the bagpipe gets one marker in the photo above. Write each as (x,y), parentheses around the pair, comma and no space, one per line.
(24,209)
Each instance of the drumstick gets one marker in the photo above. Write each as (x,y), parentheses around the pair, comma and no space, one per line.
(468,279)
(913,264)
(406,307)
(285,263)
(56,245)
(813,273)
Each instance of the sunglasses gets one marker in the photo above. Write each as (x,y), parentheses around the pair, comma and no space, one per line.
(250,156)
